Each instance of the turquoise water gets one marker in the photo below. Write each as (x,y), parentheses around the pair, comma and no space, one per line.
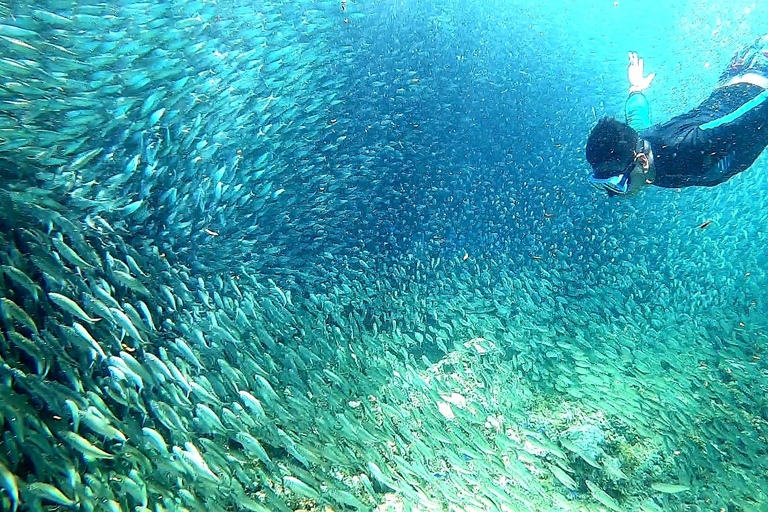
(344,256)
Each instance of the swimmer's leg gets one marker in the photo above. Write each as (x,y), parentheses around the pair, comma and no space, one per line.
(752,58)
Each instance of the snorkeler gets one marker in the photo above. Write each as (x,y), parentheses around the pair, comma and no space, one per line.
(720,138)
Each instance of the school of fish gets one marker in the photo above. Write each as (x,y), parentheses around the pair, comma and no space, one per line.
(234,277)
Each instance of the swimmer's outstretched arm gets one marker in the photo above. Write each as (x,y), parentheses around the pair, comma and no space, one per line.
(637,109)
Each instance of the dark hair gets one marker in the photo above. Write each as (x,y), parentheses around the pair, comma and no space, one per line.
(611,142)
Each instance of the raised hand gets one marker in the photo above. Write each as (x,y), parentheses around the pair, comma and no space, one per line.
(638,82)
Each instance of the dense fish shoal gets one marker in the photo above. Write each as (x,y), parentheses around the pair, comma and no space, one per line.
(195,315)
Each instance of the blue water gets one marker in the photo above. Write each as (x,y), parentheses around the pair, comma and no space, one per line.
(345,199)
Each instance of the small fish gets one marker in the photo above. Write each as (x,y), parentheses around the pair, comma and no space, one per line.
(705,224)
(13,31)
(377,474)
(11,311)
(10,483)
(42,491)
(669,488)
(253,447)
(74,411)
(49,17)
(133,164)
(179,377)
(125,322)
(31,348)
(192,456)
(346,498)
(104,295)
(300,488)
(131,282)
(185,351)
(22,280)
(168,416)
(69,254)
(83,332)
(155,440)
(266,389)
(168,294)
(156,116)
(130,208)
(209,418)
(252,403)
(120,369)
(100,425)
(83,159)
(88,450)
(147,314)
(563,477)
(70,307)
(159,367)
(95,221)
(603,497)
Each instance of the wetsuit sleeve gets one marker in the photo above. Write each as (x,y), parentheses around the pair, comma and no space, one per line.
(638,111)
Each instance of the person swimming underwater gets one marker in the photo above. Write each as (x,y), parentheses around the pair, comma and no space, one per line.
(706,146)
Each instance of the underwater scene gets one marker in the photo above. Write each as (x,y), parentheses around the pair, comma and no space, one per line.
(347,255)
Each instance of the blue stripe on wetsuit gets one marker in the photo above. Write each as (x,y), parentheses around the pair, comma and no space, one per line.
(751,104)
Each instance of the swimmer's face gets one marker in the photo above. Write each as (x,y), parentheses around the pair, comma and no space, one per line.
(641,175)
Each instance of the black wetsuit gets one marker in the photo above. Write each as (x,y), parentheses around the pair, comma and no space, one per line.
(718,139)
